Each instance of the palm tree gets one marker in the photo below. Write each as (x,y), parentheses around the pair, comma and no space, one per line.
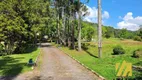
(79,6)
(99,29)
(79,26)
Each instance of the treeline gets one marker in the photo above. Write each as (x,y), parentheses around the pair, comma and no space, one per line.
(109,31)
(24,22)
(89,32)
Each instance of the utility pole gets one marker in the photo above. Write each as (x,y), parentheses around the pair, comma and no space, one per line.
(99,29)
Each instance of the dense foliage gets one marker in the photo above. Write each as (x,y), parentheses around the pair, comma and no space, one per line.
(109,31)
(24,22)
(118,50)
(20,20)
(137,53)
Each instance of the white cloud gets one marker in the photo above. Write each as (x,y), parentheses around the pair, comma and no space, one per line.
(136,20)
(93,14)
(127,25)
(105,15)
(90,19)
(128,16)
(130,23)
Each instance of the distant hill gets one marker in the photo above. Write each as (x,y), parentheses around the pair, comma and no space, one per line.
(109,31)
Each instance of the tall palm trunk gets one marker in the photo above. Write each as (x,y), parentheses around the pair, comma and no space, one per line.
(73,45)
(99,29)
(69,22)
(79,27)
(58,33)
(69,28)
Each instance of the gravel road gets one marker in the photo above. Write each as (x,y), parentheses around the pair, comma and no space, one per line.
(58,66)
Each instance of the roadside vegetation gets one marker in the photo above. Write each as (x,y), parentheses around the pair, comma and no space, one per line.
(106,65)
(12,65)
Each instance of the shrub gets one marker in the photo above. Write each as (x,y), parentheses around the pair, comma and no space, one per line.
(107,35)
(25,48)
(121,38)
(1,47)
(85,45)
(118,50)
(137,38)
(137,53)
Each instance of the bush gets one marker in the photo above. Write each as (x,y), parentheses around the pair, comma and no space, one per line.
(121,38)
(137,38)
(118,50)
(25,48)
(1,47)
(137,53)
(107,35)
(85,45)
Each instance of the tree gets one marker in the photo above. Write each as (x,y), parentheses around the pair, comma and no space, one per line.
(79,26)
(99,29)
(80,7)
(20,21)
(88,31)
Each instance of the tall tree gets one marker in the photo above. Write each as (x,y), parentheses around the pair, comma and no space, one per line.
(20,21)
(79,26)
(99,29)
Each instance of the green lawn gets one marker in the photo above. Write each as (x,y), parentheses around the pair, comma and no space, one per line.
(12,65)
(106,65)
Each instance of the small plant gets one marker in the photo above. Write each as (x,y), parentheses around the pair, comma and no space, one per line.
(118,50)
(121,38)
(85,46)
(137,53)
(107,35)
(1,47)
(137,38)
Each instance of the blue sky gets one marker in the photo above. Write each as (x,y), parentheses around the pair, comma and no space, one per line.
(117,13)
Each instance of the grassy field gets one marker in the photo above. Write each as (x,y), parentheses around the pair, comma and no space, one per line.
(106,65)
(12,65)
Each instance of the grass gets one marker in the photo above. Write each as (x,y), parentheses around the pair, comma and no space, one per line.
(106,65)
(15,64)
(40,59)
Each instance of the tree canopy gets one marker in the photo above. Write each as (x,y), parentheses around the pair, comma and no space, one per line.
(22,20)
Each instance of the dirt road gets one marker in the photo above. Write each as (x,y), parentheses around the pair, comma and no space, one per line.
(58,66)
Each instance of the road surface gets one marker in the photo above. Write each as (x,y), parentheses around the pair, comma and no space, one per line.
(59,66)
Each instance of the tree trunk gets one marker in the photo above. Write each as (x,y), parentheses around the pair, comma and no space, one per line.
(62,32)
(79,33)
(69,27)
(58,31)
(68,40)
(99,30)
(79,27)
(73,45)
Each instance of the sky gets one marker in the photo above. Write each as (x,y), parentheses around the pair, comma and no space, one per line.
(117,13)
